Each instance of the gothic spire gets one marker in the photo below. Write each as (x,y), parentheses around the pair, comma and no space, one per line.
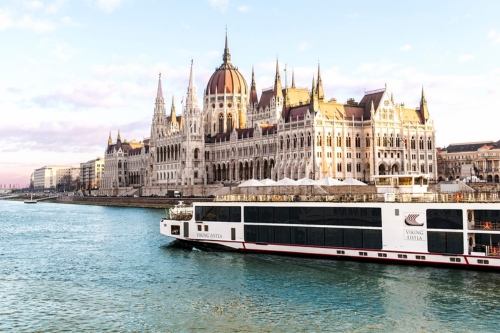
(226,56)
(253,100)
(173,116)
(110,142)
(293,79)
(191,99)
(424,111)
(319,85)
(159,93)
(278,91)
(118,138)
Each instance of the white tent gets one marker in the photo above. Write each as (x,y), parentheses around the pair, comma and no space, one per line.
(286,182)
(306,181)
(328,181)
(352,181)
(251,183)
(268,182)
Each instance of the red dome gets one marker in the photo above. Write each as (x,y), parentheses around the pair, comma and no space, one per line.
(226,79)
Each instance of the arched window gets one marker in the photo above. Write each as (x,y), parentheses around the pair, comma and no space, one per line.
(429,143)
(348,141)
(221,123)
(229,122)
(367,140)
(430,167)
(309,139)
(397,141)
(339,140)
(281,143)
(329,140)
(295,141)
(318,140)
(421,143)
(378,140)
(196,152)
(301,140)
(288,142)
(358,141)
(412,144)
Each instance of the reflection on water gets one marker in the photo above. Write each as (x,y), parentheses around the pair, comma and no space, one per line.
(86,268)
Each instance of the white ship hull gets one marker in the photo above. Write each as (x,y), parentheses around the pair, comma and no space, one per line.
(404,231)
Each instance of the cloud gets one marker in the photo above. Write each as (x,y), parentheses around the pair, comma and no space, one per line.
(33,5)
(221,5)
(494,36)
(376,67)
(50,8)
(353,16)
(64,51)
(83,95)
(406,47)
(5,19)
(243,8)
(109,6)
(68,21)
(36,25)
(465,58)
(302,46)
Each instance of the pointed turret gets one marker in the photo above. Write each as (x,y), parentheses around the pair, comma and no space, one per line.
(226,57)
(118,138)
(319,86)
(110,142)
(173,116)
(191,99)
(253,100)
(159,93)
(293,79)
(313,107)
(392,98)
(278,91)
(424,111)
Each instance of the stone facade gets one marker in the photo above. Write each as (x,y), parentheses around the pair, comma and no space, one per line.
(480,159)
(288,132)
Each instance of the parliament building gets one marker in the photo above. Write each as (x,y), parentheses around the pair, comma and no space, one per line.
(291,132)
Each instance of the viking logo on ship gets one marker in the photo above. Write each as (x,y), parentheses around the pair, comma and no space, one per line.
(411,220)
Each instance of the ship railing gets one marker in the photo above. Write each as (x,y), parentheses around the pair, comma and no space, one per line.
(427,197)
(484,225)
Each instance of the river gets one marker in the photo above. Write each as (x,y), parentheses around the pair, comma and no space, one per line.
(105,269)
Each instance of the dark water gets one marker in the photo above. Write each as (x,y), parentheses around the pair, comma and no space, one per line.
(94,269)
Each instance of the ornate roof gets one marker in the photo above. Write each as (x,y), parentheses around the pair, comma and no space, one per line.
(226,79)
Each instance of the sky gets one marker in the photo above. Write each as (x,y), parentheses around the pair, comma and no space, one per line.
(73,71)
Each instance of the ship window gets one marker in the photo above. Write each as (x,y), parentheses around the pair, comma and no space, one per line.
(444,219)
(334,237)
(482,261)
(382,255)
(372,239)
(402,256)
(251,233)
(364,254)
(455,259)
(281,215)
(316,236)
(266,234)
(445,242)
(282,235)
(340,252)
(353,238)
(218,213)
(420,257)
(396,212)
(298,235)
(206,227)
(199,227)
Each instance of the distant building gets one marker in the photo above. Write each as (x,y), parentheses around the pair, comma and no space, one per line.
(480,159)
(48,177)
(125,164)
(286,132)
(91,173)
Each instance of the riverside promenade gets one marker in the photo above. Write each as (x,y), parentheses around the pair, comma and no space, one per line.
(140,202)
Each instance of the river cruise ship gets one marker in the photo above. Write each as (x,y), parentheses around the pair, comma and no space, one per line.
(401,223)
